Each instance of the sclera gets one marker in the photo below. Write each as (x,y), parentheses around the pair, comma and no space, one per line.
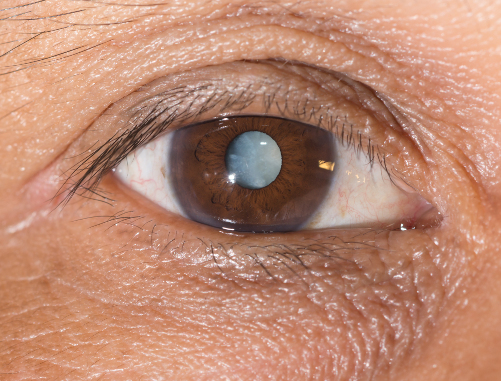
(147,171)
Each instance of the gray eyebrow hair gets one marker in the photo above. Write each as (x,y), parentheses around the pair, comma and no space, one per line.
(20,23)
(22,27)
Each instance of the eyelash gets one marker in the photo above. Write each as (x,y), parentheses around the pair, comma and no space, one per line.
(84,177)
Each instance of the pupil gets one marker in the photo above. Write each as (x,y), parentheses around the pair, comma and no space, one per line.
(253,160)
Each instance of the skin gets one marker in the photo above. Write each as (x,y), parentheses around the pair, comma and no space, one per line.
(147,297)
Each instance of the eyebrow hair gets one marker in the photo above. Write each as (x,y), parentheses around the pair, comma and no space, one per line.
(21,23)
(27,26)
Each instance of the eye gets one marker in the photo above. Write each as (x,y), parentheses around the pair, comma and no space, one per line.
(262,174)
(265,147)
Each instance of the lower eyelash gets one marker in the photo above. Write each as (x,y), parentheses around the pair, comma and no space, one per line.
(298,259)
(120,217)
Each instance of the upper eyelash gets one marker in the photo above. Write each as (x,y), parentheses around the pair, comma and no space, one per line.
(84,177)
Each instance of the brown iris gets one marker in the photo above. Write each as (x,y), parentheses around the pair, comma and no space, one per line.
(206,193)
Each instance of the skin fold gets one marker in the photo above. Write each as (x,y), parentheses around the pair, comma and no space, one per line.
(122,289)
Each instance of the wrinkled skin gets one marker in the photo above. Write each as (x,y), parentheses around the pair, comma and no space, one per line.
(158,297)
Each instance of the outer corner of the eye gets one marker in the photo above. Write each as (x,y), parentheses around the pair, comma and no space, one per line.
(429,217)
(121,171)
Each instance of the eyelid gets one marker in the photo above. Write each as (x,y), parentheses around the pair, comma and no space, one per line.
(146,54)
(304,93)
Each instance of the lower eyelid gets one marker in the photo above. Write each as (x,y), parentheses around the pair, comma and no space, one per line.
(366,289)
(295,256)
(365,276)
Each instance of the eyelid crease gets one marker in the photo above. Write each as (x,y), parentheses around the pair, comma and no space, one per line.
(182,104)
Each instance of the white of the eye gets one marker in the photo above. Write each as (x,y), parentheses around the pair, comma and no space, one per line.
(147,171)
(362,195)
(253,160)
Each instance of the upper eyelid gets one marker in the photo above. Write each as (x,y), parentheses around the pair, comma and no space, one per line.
(153,56)
(121,143)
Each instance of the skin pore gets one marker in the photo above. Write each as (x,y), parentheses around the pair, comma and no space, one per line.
(123,290)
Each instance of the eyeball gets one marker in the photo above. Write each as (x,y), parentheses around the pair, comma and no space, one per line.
(263,174)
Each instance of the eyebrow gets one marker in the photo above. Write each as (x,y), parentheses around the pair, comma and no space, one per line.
(78,28)
(27,26)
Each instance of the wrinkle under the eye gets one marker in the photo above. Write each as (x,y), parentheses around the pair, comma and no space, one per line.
(363,281)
